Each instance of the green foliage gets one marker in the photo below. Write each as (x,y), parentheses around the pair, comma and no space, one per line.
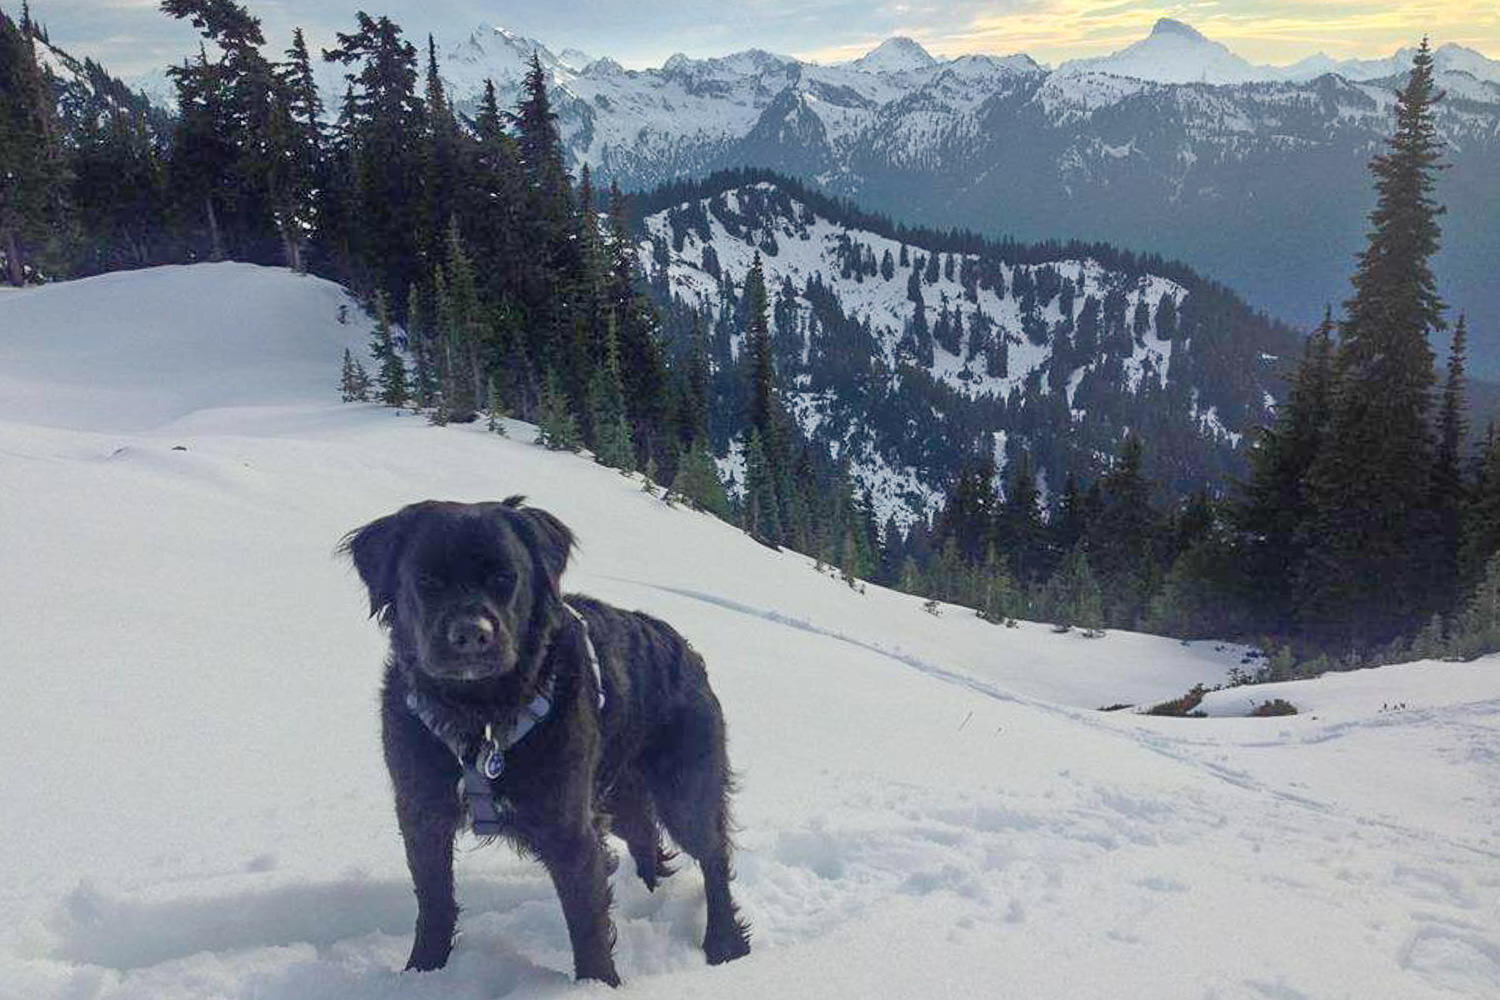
(698,481)
(1477,630)
(1185,706)
(1371,572)
(391,378)
(557,428)
(354,381)
(762,517)
(32,167)
(496,409)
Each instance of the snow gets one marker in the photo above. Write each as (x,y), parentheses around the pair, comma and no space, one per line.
(1172,53)
(931,805)
(895,55)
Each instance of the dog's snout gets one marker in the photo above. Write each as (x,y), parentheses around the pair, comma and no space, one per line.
(471,634)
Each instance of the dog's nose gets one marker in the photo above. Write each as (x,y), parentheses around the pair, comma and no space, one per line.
(471,634)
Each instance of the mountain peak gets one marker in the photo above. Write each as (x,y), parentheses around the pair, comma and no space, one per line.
(895,55)
(1168,26)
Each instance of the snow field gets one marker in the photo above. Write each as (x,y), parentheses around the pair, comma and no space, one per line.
(195,805)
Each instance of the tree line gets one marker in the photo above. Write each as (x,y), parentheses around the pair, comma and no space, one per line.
(1366,531)
(499,284)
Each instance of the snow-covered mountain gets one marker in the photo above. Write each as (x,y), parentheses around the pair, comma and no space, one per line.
(196,807)
(1174,52)
(1257,180)
(895,55)
(1256,176)
(905,350)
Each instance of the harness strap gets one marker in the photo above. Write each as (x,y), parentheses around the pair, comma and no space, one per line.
(484,764)
(589,651)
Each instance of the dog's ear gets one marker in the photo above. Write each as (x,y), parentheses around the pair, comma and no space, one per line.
(550,542)
(375,550)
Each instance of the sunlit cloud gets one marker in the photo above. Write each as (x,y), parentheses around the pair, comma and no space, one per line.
(132,36)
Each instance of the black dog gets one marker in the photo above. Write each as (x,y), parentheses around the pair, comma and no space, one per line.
(491,671)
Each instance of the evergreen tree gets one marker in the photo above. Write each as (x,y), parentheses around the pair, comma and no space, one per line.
(556,428)
(228,150)
(419,340)
(1123,537)
(32,167)
(440,169)
(1448,500)
(1477,631)
(1481,524)
(354,381)
(762,512)
(1276,512)
(463,329)
(496,410)
(382,116)
(606,410)
(1372,569)
(698,482)
(1019,530)
(392,374)
(295,140)
(762,369)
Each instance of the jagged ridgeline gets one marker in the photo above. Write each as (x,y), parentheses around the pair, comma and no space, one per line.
(906,351)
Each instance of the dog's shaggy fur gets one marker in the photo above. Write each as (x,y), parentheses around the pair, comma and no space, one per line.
(478,626)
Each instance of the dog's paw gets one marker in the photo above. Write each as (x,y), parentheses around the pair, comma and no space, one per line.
(727,945)
(606,975)
(425,963)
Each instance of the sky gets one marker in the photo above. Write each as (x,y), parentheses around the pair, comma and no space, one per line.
(132,37)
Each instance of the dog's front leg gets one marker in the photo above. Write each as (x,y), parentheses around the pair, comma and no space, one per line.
(575,858)
(425,778)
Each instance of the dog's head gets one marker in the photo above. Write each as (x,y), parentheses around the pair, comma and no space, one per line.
(467,588)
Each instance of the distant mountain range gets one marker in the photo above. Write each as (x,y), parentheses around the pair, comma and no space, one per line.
(1174,145)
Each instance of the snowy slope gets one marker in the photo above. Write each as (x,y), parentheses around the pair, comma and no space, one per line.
(1174,52)
(691,246)
(195,805)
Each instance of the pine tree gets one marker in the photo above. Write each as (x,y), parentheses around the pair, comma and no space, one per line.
(762,369)
(354,381)
(419,340)
(556,428)
(463,329)
(698,482)
(295,140)
(762,513)
(1019,529)
(1448,500)
(382,116)
(496,409)
(1276,512)
(1478,628)
(1372,569)
(1481,524)
(606,409)
(32,167)
(392,374)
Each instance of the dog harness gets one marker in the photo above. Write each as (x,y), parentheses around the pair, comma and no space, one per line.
(483,765)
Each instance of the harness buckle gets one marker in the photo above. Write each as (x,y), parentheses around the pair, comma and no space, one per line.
(491,757)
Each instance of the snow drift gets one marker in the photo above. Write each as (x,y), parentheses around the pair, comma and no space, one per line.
(931,806)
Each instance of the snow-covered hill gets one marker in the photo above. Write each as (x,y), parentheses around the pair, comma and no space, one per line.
(1003,335)
(195,806)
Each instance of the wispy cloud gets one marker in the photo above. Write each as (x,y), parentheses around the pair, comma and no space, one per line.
(131,36)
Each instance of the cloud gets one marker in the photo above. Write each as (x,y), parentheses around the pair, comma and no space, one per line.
(131,36)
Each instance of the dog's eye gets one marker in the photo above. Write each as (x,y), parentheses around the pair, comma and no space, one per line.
(428,581)
(502,579)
